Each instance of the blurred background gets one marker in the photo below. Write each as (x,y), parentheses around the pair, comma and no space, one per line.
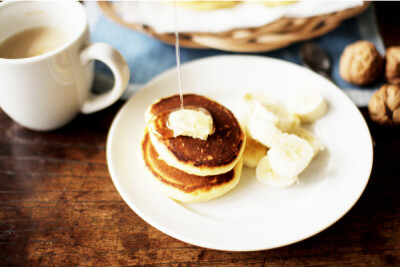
(133,28)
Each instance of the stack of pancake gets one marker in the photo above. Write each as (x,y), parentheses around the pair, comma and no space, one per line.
(189,169)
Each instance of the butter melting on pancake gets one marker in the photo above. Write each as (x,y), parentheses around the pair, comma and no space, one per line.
(191,121)
(218,154)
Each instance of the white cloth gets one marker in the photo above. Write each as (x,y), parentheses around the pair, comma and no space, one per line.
(160,14)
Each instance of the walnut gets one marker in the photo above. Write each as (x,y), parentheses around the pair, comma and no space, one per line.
(360,63)
(392,72)
(384,106)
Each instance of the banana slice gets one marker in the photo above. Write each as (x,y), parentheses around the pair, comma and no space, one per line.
(265,114)
(311,138)
(273,112)
(308,104)
(284,117)
(296,121)
(253,152)
(289,155)
(271,109)
(266,175)
(263,131)
(263,98)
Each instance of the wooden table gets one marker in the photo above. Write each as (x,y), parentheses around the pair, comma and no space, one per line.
(60,207)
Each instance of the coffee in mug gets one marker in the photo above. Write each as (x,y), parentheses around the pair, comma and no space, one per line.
(32,42)
(46,64)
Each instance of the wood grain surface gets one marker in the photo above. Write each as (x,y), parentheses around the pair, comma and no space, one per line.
(59,207)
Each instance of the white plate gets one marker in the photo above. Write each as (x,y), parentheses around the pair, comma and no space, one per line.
(252,216)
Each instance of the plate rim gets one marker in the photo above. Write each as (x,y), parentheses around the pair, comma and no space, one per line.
(155,224)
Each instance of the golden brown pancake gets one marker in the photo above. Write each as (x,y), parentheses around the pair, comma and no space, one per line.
(183,186)
(216,155)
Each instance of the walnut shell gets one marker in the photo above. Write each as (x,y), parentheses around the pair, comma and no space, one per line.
(384,106)
(360,63)
(392,71)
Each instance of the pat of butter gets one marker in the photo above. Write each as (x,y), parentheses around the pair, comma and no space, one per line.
(192,123)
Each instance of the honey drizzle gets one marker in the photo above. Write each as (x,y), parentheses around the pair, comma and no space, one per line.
(164,130)
(177,53)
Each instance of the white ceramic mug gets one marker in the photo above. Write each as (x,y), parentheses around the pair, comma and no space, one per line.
(47,91)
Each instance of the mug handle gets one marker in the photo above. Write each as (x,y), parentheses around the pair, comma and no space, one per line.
(114,60)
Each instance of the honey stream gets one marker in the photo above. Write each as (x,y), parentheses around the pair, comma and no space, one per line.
(177,52)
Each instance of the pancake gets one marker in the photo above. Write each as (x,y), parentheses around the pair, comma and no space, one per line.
(218,154)
(186,187)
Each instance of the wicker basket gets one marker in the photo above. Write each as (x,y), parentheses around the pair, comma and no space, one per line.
(277,34)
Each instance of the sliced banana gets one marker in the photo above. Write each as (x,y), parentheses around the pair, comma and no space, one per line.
(253,152)
(311,138)
(243,111)
(266,175)
(308,104)
(289,155)
(296,121)
(264,114)
(284,117)
(263,98)
(270,109)
(263,131)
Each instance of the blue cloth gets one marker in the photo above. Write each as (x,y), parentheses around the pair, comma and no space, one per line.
(148,57)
